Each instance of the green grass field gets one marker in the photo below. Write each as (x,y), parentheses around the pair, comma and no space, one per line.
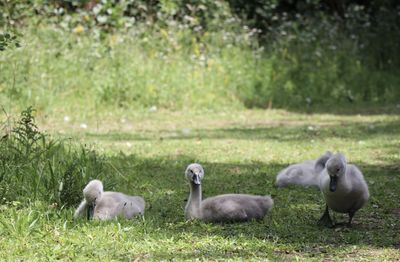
(134,104)
(241,152)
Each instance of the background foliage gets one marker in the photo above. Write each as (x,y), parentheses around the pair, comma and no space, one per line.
(213,54)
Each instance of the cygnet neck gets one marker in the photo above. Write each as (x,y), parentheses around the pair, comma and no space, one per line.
(194,202)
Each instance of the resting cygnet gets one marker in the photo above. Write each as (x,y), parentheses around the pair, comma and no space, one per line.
(98,204)
(222,208)
(303,174)
(343,187)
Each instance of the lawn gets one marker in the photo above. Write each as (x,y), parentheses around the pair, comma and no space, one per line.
(241,152)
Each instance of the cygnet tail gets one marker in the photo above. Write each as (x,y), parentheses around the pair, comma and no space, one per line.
(282,178)
(268,202)
(292,175)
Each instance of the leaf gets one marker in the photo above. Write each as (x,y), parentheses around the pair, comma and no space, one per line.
(31,225)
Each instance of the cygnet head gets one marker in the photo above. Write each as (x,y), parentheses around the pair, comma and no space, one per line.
(336,167)
(93,191)
(194,173)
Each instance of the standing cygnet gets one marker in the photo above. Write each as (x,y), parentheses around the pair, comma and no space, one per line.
(303,174)
(102,205)
(343,187)
(222,208)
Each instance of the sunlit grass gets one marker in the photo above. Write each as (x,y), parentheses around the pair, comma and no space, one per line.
(56,71)
(64,73)
(241,152)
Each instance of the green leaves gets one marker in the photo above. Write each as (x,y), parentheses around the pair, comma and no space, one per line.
(8,40)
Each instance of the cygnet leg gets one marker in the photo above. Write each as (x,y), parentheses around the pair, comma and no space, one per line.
(325,219)
(351,214)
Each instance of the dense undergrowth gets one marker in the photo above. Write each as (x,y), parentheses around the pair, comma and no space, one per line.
(182,56)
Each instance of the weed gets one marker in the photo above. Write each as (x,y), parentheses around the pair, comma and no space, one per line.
(35,166)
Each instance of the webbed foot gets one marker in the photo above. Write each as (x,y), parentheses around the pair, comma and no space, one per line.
(325,219)
(351,214)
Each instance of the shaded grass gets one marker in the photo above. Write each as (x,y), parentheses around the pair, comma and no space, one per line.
(241,153)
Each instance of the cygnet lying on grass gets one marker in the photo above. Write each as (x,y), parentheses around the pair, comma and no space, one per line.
(98,204)
(222,208)
(343,187)
(303,174)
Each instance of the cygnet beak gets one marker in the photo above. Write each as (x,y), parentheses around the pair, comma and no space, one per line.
(196,179)
(333,183)
(90,212)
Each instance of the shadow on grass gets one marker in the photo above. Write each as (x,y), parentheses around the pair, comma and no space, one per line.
(291,225)
(345,130)
(293,219)
(348,109)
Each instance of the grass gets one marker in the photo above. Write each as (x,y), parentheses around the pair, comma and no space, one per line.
(55,71)
(134,108)
(61,72)
(241,151)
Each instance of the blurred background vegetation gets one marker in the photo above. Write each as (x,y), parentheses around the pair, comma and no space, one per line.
(101,55)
